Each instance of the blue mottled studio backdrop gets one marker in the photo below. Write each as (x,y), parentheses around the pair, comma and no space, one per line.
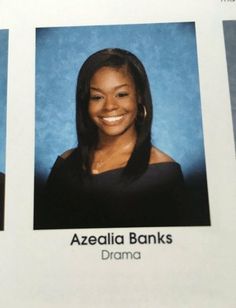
(230,46)
(3,94)
(168,52)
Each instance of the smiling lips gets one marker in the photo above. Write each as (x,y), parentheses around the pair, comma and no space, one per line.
(112,119)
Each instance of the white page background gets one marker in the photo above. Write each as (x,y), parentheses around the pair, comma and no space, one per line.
(40,268)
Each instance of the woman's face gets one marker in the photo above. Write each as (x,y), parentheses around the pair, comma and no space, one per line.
(113,101)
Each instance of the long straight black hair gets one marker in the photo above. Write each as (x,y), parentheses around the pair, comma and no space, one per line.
(87,131)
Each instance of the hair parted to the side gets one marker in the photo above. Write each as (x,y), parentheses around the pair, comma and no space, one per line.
(87,132)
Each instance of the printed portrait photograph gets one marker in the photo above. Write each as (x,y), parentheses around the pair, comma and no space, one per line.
(118,128)
(230,48)
(3,98)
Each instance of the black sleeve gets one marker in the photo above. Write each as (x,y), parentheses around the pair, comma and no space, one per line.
(51,202)
(179,195)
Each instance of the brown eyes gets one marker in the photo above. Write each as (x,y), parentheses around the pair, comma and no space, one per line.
(95,97)
(122,94)
(99,97)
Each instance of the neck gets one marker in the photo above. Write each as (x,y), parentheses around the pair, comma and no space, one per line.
(115,142)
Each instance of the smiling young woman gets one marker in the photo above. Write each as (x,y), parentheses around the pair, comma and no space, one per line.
(113,109)
(115,177)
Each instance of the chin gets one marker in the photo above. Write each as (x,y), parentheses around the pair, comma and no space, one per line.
(113,132)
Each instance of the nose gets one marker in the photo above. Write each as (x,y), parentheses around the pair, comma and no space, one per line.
(110,103)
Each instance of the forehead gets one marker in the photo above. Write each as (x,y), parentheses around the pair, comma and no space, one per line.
(112,75)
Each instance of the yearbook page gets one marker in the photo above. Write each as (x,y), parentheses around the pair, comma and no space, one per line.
(117,153)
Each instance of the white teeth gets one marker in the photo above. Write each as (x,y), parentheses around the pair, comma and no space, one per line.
(112,119)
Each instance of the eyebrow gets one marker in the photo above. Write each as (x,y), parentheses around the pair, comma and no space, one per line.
(115,88)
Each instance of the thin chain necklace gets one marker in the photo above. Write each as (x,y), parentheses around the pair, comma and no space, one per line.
(98,164)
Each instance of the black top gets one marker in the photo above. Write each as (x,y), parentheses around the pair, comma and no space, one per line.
(104,200)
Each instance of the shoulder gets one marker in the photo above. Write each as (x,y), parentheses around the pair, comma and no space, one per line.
(62,165)
(167,167)
(63,160)
(158,156)
(67,153)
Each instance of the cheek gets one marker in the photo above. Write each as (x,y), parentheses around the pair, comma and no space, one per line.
(133,108)
(92,110)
